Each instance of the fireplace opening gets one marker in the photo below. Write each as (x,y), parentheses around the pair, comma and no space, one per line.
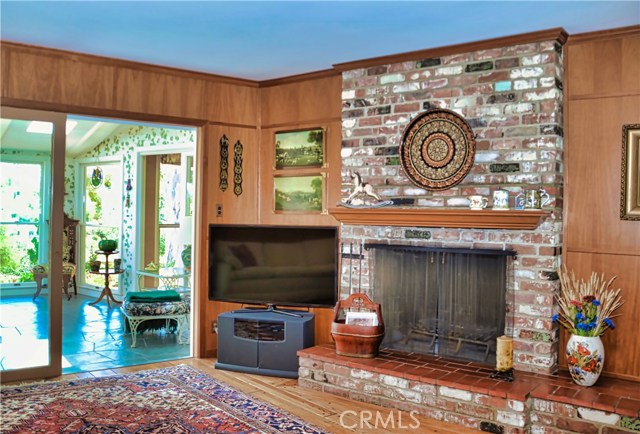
(446,302)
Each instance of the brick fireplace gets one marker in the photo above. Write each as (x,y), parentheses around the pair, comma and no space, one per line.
(512,98)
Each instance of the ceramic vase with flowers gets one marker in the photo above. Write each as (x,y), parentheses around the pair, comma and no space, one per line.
(586,311)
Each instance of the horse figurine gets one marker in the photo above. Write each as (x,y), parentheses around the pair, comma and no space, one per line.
(361,187)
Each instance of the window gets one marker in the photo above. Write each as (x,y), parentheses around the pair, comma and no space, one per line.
(175,203)
(23,228)
(102,214)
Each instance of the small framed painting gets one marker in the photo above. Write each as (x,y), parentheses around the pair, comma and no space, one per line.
(630,194)
(299,149)
(299,193)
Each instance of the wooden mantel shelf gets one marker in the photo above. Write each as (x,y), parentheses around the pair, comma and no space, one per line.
(439,217)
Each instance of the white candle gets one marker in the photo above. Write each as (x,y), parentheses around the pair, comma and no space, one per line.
(504,354)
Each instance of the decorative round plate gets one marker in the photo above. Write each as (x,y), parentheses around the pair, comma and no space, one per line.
(437,149)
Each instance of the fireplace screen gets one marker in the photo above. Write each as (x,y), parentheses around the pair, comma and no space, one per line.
(447,302)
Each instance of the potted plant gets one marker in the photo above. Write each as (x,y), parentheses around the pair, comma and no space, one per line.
(94,264)
(108,245)
(586,311)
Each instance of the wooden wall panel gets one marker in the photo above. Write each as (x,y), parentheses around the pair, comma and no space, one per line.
(622,356)
(241,209)
(232,104)
(304,101)
(606,66)
(150,92)
(593,172)
(603,93)
(54,79)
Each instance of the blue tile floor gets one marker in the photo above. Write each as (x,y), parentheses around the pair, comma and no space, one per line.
(92,336)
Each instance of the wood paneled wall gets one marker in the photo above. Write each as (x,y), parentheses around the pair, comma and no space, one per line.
(40,78)
(306,103)
(602,91)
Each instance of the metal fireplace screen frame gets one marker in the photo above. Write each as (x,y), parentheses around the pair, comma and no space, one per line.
(448,302)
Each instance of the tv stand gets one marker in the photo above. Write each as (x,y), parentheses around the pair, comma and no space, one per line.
(269,308)
(263,341)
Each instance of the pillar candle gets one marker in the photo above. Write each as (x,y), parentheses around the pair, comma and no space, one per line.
(504,354)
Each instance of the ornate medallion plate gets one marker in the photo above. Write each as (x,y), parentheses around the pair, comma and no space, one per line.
(437,149)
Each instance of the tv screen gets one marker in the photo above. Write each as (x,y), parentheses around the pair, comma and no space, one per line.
(273,265)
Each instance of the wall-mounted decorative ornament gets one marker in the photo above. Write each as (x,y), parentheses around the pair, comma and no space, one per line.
(129,187)
(96,177)
(437,149)
(224,163)
(237,168)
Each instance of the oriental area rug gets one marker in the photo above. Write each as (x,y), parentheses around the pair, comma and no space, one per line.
(175,400)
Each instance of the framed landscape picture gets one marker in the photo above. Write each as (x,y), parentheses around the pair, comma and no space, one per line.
(301,148)
(298,193)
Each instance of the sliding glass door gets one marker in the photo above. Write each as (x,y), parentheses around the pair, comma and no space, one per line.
(32,153)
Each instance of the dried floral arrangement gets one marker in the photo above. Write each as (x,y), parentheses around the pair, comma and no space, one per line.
(586,308)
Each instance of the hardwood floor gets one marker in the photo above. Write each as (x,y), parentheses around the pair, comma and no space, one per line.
(320,409)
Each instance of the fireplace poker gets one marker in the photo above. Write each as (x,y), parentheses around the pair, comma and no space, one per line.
(360,269)
(350,268)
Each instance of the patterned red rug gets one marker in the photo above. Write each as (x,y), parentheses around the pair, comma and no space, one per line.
(172,400)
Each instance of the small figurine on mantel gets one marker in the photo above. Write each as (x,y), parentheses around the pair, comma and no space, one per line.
(362,191)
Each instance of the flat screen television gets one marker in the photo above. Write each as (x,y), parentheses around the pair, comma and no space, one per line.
(273,265)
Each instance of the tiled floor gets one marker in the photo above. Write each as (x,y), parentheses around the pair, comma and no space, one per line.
(92,336)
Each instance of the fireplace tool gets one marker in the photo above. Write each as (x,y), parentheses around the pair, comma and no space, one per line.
(359,332)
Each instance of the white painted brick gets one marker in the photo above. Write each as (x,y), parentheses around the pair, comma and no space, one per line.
(518,108)
(510,418)
(515,405)
(450,70)
(362,374)
(408,87)
(428,389)
(391,78)
(525,84)
(303,372)
(547,81)
(527,72)
(414,191)
(348,94)
(550,94)
(598,416)
(394,381)
(536,429)
(349,123)
(457,201)
(484,157)
(462,395)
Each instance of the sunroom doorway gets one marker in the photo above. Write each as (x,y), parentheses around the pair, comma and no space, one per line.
(104,192)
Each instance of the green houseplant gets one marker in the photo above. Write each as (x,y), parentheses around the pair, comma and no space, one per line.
(586,311)
(94,264)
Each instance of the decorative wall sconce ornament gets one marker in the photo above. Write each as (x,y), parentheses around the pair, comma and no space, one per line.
(630,193)
(437,149)
(224,163)
(237,168)
(127,202)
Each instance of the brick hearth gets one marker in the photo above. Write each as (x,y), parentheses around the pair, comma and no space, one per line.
(463,393)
